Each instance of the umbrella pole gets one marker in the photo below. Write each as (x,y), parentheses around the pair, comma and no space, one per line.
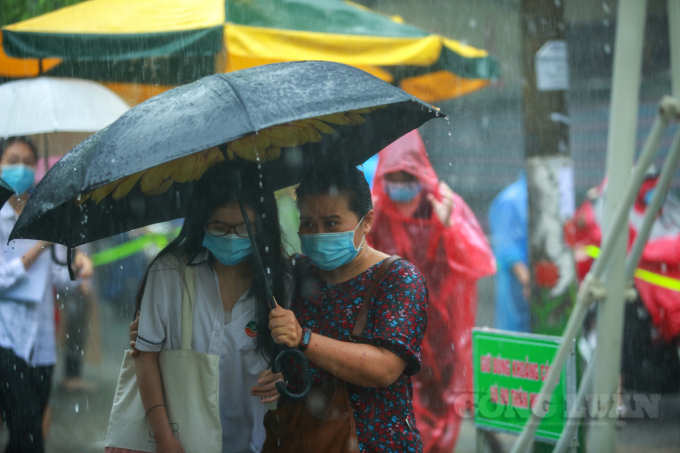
(46,161)
(284,352)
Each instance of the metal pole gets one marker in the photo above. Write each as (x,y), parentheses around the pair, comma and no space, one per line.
(652,210)
(674,37)
(620,151)
(567,437)
(584,294)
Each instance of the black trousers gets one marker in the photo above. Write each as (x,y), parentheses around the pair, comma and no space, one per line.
(24,392)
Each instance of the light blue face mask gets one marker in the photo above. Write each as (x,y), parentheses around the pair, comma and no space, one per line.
(230,249)
(330,250)
(402,192)
(19,177)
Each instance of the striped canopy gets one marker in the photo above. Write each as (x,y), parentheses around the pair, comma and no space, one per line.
(88,39)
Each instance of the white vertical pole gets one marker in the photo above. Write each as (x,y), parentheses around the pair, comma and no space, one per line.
(620,152)
(674,37)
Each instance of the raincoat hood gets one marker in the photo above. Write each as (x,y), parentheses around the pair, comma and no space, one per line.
(406,154)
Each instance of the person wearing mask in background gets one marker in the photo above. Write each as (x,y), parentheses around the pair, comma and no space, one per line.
(508,224)
(27,339)
(424,221)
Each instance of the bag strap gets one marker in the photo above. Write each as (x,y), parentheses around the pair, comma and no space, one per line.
(187,305)
(360,325)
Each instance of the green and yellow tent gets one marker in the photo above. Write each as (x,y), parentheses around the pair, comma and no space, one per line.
(119,41)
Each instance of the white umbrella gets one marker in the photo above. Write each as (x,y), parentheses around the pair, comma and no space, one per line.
(47,104)
(64,111)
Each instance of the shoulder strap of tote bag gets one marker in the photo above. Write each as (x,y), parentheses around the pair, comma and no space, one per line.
(360,325)
(188,305)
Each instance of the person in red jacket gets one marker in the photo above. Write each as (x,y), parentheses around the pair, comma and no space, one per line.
(651,337)
(422,220)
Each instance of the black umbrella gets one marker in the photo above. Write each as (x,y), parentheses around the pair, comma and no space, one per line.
(6,192)
(142,169)
(287,118)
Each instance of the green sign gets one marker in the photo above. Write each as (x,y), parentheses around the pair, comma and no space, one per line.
(508,371)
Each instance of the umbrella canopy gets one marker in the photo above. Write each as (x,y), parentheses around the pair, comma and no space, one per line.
(5,192)
(45,104)
(253,33)
(288,117)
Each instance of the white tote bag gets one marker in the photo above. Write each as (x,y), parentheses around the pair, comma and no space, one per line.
(190,390)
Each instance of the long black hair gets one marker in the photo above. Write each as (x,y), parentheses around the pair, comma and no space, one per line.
(216,188)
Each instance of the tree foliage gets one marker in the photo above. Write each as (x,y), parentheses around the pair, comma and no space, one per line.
(12,11)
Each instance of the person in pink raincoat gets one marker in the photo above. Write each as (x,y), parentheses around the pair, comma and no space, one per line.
(422,220)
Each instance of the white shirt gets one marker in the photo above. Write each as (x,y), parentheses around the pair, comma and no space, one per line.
(160,328)
(26,301)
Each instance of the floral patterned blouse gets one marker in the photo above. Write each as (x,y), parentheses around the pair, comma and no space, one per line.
(396,321)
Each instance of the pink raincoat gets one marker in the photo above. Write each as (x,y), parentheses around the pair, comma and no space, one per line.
(451,260)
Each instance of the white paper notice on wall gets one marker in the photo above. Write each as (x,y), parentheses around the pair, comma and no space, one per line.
(567,198)
(552,66)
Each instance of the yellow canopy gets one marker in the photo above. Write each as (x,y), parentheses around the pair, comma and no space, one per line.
(253,32)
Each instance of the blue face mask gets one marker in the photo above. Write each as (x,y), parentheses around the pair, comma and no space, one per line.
(330,250)
(19,177)
(230,249)
(402,192)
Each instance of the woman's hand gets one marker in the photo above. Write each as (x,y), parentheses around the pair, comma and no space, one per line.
(168,444)
(266,388)
(444,208)
(134,327)
(285,327)
(83,266)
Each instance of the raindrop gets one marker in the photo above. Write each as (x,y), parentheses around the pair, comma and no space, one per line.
(485,121)
(472,23)
(87,403)
(77,408)
(266,249)
(269,271)
(558,3)
(450,164)
(260,184)
(121,266)
(66,335)
(607,48)
(449,133)
(606,22)
(261,199)
(606,8)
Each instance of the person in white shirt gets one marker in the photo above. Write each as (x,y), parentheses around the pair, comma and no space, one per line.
(27,338)
(230,306)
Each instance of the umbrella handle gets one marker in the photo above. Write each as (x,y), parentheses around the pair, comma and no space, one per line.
(284,352)
(306,376)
